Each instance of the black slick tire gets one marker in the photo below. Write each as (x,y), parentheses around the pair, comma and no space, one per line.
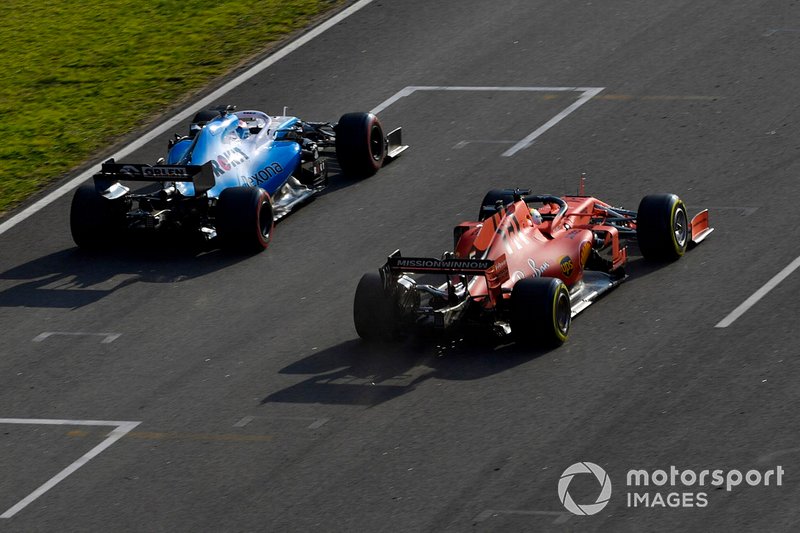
(360,144)
(244,219)
(541,312)
(662,227)
(95,222)
(374,314)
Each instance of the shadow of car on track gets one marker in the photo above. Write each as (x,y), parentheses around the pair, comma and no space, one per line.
(358,373)
(73,278)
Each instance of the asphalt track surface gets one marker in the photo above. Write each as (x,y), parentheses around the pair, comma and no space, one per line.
(260,410)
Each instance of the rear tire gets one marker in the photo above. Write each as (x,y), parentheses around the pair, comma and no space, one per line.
(95,221)
(541,312)
(244,219)
(490,200)
(360,144)
(374,313)
(662,227)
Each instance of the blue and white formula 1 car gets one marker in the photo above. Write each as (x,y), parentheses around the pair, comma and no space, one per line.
(231,178)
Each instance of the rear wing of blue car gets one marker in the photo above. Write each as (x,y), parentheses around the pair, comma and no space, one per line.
(111,173)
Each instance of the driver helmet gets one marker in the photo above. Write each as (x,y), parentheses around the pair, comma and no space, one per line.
(536,216)
(242,130)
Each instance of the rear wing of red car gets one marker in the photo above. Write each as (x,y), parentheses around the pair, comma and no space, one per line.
(495,271)
(111,173)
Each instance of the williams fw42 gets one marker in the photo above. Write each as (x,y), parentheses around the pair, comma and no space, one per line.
(525,268)
(231,178)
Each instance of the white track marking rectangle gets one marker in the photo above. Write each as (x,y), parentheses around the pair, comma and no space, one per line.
(120,429)
(760,293)
(587,93)
(527,141)
(183,115)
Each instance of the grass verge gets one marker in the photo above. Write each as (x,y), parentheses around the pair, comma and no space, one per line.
(80,74)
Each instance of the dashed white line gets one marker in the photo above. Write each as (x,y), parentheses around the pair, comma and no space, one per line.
(119,431)
(760,293)
(244,421)
(108,338)
(318,423)
(561,517)
(463,144)
(183,115)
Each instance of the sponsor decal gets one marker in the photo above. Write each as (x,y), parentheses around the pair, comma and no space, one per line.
(538,271)
(265,174)
(586,250)
(164,172)
(454,264)
(566,265)
(227,160)
(498,274)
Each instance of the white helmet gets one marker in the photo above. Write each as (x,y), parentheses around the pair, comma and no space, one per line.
(536,216)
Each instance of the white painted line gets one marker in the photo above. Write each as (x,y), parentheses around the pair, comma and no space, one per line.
(402,93)
(527,141)
(119,431)
(408,91)
(183,115)
(108,338)
(561,517)
(244,421)
(760,293)
(587,94)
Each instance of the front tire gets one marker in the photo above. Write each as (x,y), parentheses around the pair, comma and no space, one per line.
(94,221)
(360,144)
(244,219)
(374,313)
(541,312)
(662,227)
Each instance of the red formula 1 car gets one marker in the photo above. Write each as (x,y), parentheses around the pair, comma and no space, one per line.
(526,267)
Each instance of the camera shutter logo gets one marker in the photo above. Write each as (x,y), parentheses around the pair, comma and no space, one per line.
(566,479)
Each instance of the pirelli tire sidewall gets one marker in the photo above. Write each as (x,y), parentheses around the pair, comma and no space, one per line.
(540,312)
(360,144)
(96,222)
(375,314)
(662,227)
(244,219)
